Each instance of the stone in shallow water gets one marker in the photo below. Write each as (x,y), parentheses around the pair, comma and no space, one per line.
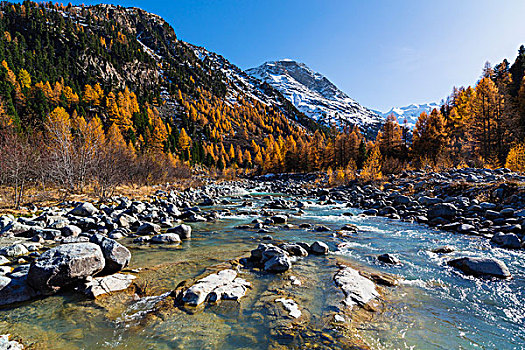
(233,291)
(278,263)
(198,293)
(290,306)
(108,284)
(166,238)
(15,290)
(357,289)
(319,248)
(389,259)
(184,231)
(481,267)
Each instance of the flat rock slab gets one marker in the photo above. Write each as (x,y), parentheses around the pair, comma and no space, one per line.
(108,284)
(290,306)
(358,290)
(223,285)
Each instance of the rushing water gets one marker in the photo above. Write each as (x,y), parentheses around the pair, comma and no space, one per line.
(435,307)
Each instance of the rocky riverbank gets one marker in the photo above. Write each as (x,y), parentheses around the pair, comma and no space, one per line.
(88,247)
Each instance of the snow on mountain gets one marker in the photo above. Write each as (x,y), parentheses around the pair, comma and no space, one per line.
(314,95)
(411,112)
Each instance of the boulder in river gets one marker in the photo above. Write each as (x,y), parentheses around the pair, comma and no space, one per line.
(506,240)
(389,259)
(443,250)
(14,250)
(65,265)
(166,238)
(481,267)
(184,231)
(116,256)
(278,264)
(14,289)
(358,290)
(148,228)
(319,248)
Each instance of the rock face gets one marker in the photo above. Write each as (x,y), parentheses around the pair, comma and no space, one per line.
(116,256)
(84,210)
(64,265)
(481,267)
(358,290)
(221,285)
(108,284)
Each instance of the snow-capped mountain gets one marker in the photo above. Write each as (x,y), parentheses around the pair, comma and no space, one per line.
(411,112)
(240,82)
(315,95)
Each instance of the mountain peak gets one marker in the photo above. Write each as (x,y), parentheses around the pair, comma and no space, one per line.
(314,94)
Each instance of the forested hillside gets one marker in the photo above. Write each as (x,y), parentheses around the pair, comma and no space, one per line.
(103,95)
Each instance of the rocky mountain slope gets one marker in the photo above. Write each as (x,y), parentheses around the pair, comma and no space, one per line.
(314,95)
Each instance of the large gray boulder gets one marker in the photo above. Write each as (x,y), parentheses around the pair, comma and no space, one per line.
(116,256)
(85,209)
(481,267)
(442,210)
(64,265)
(183,231)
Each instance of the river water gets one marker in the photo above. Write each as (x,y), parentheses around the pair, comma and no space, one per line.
(434,307)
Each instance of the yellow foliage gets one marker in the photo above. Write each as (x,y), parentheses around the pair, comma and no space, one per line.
(516,158)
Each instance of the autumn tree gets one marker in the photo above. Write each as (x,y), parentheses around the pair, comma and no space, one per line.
(429,136)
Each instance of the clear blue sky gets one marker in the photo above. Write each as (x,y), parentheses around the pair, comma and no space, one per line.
(381,53)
